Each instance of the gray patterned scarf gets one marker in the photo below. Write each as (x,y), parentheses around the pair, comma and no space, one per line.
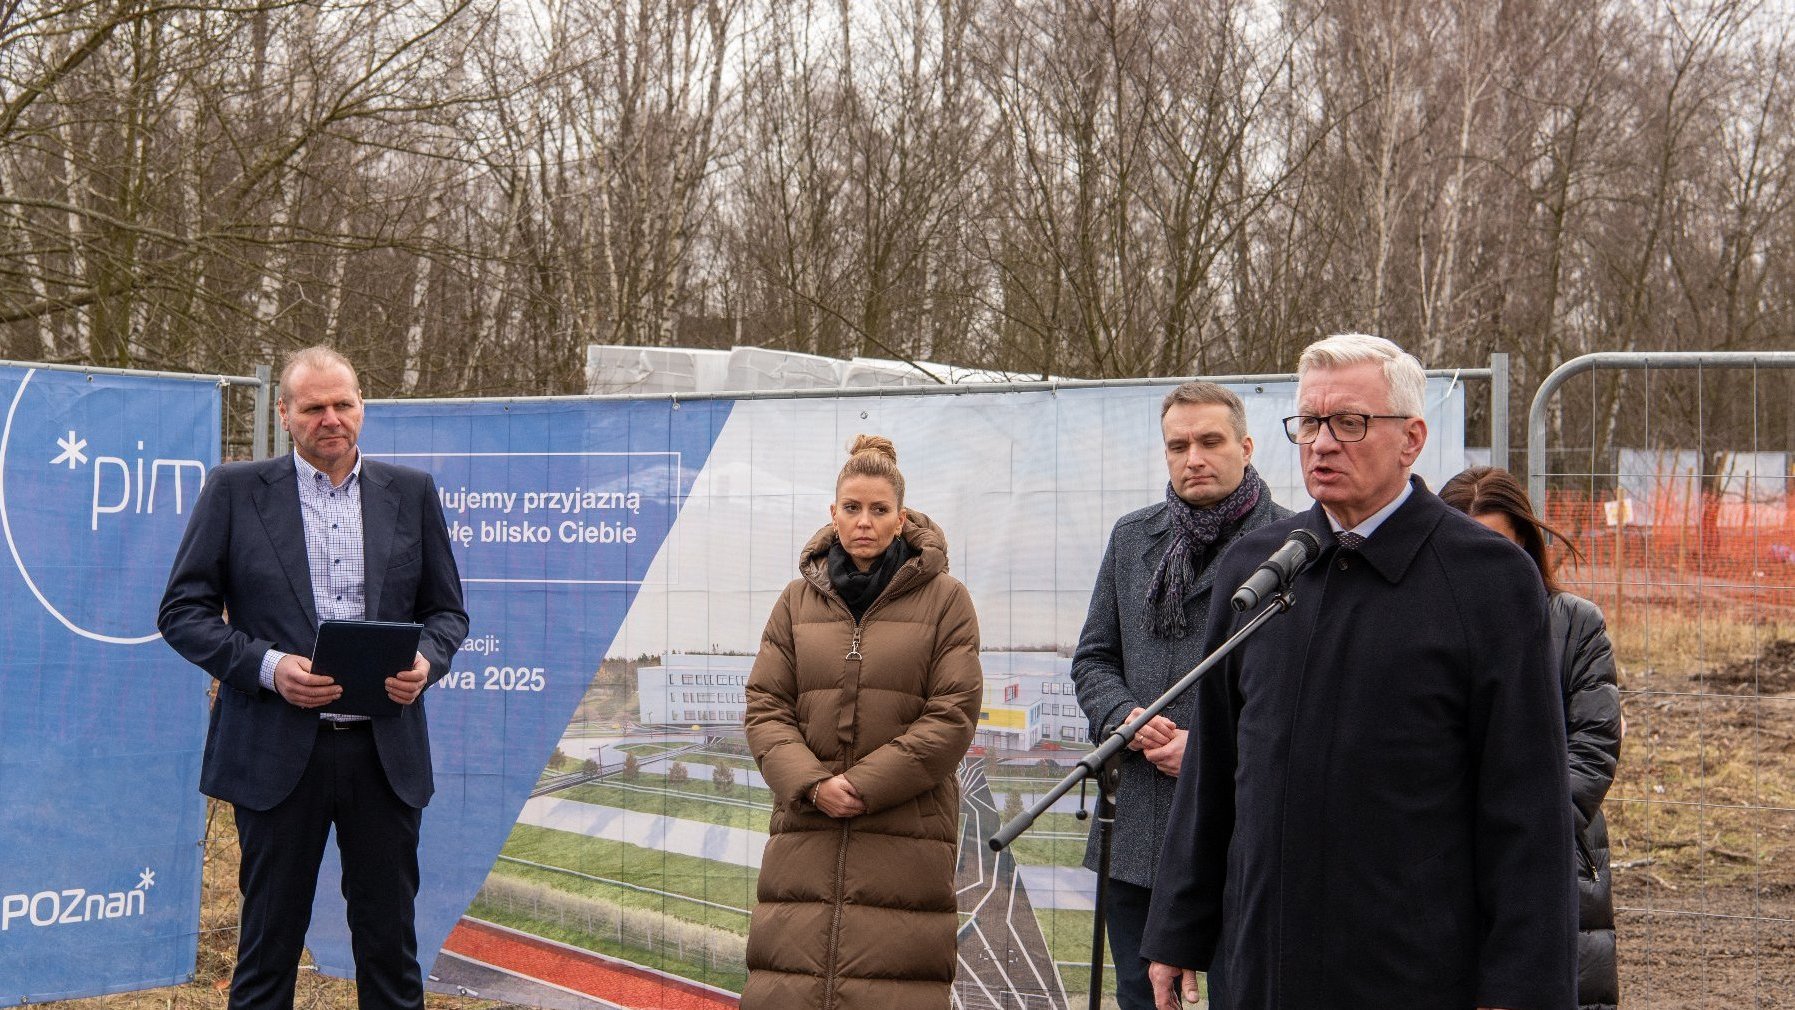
(1194,530)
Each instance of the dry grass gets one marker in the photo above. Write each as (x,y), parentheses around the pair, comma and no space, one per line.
(1705,782)
(1691,638)
(1702,812)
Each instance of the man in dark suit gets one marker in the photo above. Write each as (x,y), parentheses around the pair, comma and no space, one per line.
(272,549)
(1375,812)
(1145,629)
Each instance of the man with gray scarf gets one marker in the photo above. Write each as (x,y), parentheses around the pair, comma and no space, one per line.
(1145,629)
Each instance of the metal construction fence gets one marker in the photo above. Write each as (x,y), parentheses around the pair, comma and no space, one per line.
(99,470)
(1669,477)
(247,408)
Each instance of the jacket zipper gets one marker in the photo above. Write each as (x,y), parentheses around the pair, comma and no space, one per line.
(1588,856)
(841,871)
(841,855)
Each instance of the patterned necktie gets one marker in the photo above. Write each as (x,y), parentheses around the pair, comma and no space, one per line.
(1350,541)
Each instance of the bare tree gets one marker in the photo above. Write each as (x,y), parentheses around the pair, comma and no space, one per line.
(465,193)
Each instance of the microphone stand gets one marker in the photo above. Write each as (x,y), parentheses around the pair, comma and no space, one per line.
(1104,764)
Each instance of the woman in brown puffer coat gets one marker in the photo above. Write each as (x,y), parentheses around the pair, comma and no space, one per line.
(861,704)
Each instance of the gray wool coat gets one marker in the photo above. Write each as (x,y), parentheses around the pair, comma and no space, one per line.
(1120,666)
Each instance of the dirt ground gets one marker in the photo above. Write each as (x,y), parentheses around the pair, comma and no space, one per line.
(210,989)
(1702,813)
(1726,957)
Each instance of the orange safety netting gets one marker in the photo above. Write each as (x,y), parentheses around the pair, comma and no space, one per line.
(1673,548)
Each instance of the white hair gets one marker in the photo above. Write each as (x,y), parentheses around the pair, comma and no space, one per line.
(1402,373)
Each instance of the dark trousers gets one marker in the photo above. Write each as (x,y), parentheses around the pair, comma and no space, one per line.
(1125,917)
(1126,920)
(377,837)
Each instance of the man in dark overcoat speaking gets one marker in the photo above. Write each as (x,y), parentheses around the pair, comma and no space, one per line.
(1376,811)
(1144,630)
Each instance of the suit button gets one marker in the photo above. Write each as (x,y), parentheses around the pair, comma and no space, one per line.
(1343,565)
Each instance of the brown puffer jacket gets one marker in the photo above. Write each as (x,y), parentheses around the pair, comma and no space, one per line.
(861,913)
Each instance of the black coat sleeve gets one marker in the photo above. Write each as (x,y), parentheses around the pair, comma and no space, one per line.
(1184,920)
(191,617)
(1523,856)
(1592,715)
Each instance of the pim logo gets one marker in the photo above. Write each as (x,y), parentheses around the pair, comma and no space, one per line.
(92,503)
(72,905)
(112,496)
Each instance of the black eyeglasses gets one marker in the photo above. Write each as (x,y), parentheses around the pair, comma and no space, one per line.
(1304,428)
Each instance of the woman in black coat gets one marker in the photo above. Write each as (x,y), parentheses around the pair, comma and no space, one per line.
(1592,718)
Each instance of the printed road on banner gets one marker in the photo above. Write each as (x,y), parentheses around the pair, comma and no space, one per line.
(600,759)
(101,733)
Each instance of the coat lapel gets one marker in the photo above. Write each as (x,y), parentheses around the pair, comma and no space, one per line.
(1154,531)
(379,517)
(1206,577)
(1394,546)
(277,503)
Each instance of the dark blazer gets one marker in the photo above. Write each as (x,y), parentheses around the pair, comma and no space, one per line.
(1377,812)
(241,585)
(1120,665)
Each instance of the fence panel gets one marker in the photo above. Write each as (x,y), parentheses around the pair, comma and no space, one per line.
(1669,476)
(101,731)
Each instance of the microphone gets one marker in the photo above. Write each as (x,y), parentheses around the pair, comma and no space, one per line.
(1299,551)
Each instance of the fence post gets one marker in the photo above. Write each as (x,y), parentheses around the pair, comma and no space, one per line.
(1499,410)
(1620,571)
(1620,553)
(282,445)
(263,422)
(1683,533)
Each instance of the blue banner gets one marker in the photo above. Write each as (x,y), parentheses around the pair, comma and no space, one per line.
(556,511)
(595,798)
(101,819)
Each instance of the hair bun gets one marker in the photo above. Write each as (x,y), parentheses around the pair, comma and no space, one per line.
(873,444)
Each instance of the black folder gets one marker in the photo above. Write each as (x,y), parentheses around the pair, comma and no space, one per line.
(360,656)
